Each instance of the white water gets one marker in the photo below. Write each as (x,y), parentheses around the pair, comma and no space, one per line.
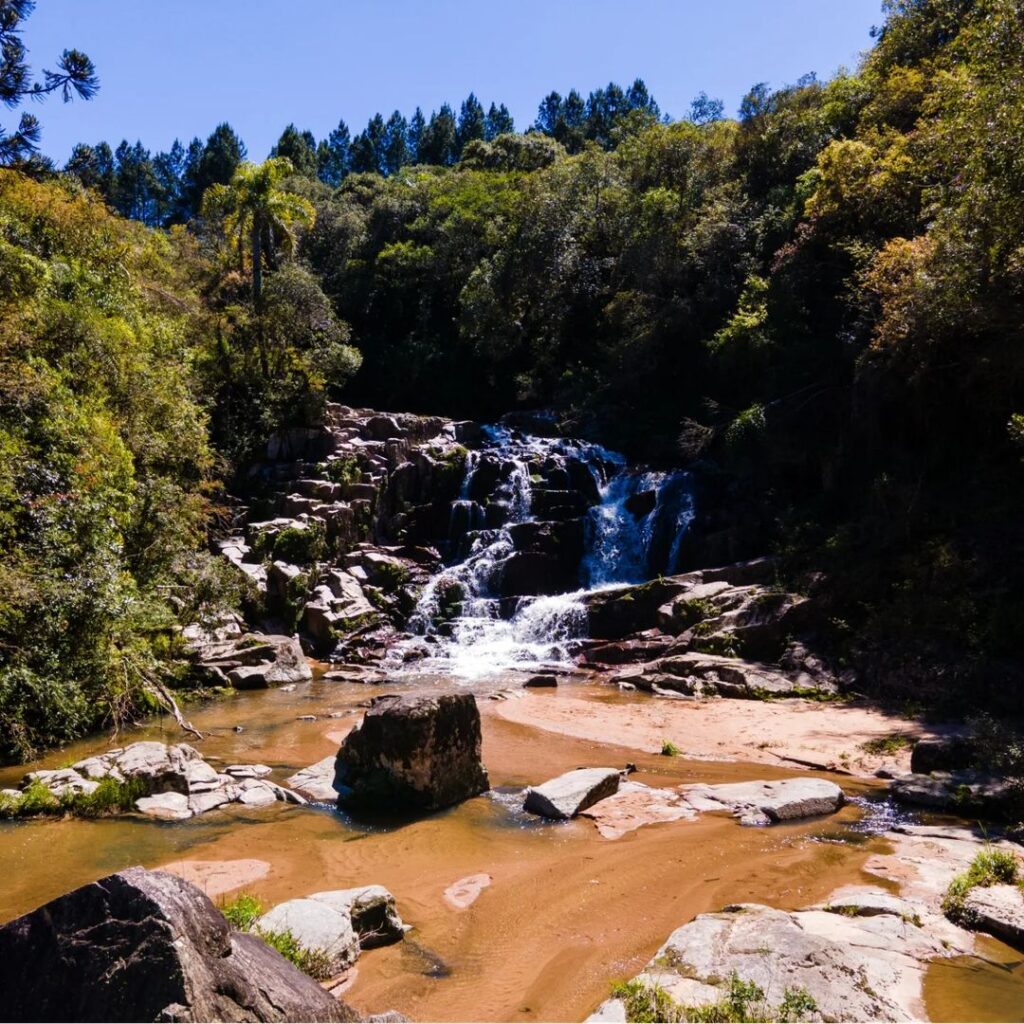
(540,633)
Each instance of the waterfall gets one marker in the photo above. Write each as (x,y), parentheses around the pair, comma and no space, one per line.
(631,531)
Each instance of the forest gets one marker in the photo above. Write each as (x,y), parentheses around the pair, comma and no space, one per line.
(818,304)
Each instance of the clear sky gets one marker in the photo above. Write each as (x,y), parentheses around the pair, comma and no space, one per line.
(176,68)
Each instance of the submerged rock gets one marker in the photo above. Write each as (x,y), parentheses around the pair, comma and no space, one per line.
(764,803)
(568,794)
(146,945)
(412,753)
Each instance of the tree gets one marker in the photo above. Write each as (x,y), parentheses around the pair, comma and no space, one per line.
(396,144)
(94,167)
(168,169)
(417,126)
(471,122)
(439,143)
(300,148)
(259,214)
(498,122)
(333,156)
(549,113)
(705,110)
(222,154)
(75,76)
(367,154)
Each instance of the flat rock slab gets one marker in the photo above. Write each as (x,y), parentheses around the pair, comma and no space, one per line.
(765,803)
(569,794)
(998,910)
(216,877)
(855,968)
(860,901)
(636,805)
(465,891)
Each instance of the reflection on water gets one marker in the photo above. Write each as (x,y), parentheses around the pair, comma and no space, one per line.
(986,987)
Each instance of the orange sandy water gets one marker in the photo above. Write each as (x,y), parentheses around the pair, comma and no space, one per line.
(566,912)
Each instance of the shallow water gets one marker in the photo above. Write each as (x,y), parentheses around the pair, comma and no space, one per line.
(566,911)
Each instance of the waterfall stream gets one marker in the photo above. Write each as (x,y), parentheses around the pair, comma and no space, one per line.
(551,492)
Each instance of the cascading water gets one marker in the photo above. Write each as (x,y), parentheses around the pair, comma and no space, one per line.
(628,526)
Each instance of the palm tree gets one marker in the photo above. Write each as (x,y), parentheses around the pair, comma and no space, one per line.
(256,211)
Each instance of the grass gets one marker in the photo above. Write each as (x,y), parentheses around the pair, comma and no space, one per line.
(110,797)
(245,910)
(669,749)
(743,1001)
(990,867)
(891,744)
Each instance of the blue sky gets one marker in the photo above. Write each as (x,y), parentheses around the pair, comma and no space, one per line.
(179,67)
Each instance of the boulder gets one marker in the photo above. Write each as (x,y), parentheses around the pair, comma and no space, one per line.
(372,911)
(946,753)
(854,968)
(316,927)
(146,945)
(617,612)
(765,803)
(316,782)
(963,791)
(568,794)
(412,753)
(998,910)
(286,663)
(544,681)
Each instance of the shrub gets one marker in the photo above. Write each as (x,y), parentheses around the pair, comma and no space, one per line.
(243,911)
(301,545)
(669,749)
(313,962)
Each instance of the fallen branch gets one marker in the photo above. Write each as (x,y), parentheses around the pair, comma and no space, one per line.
(163,695)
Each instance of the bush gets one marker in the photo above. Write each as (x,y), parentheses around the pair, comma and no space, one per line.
(669,749)
(301,545)
(243,911)
(314,962)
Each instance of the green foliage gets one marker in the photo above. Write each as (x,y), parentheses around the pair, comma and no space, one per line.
(989,867)
(109,798)
(743,1002)
(301,545)
(314,962)
(669,749)
(891,744)
(345,470)
(243,911)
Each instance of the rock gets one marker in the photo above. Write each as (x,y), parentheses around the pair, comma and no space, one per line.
(145,945)
(855,968)
(636,805)
(541,682)
(372,911)
(858,901)
(316,782)
(465,891)
(288,665)
(961,791)
(412,753)
(764,803)
(998,910)
(168,806)
(947,753)
(569,794)
(316,927)
(616,612)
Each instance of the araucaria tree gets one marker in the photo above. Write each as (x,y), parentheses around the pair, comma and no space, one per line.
(75,76)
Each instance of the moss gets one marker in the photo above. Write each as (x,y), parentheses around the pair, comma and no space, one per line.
(891,744)
(390,576)
(342,471)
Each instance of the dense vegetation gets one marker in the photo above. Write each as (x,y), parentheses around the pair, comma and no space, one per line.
(819,303)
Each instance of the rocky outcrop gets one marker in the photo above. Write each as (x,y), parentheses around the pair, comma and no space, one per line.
(765,803)
(169,782)
(145,945)
(412,753)
(248,660)
(853,967)
(568,794)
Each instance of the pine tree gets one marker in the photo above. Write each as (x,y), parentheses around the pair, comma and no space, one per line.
(300,148)
(333,156)
(439,142)
(167,179)
(498,122)
(704,109)
(548,113)
(396,143)
(471,123)
(417,126)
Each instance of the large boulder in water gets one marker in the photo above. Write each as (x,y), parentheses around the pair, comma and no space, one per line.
(146,945)
(412,753)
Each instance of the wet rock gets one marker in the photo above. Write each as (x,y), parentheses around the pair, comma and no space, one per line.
(316,782)
(998,910)
(617,612)
(765,803)
(541,682)
(145,945)
(412,753)
(569,794)
(855,968)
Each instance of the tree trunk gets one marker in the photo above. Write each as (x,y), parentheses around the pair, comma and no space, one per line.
(257,294)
